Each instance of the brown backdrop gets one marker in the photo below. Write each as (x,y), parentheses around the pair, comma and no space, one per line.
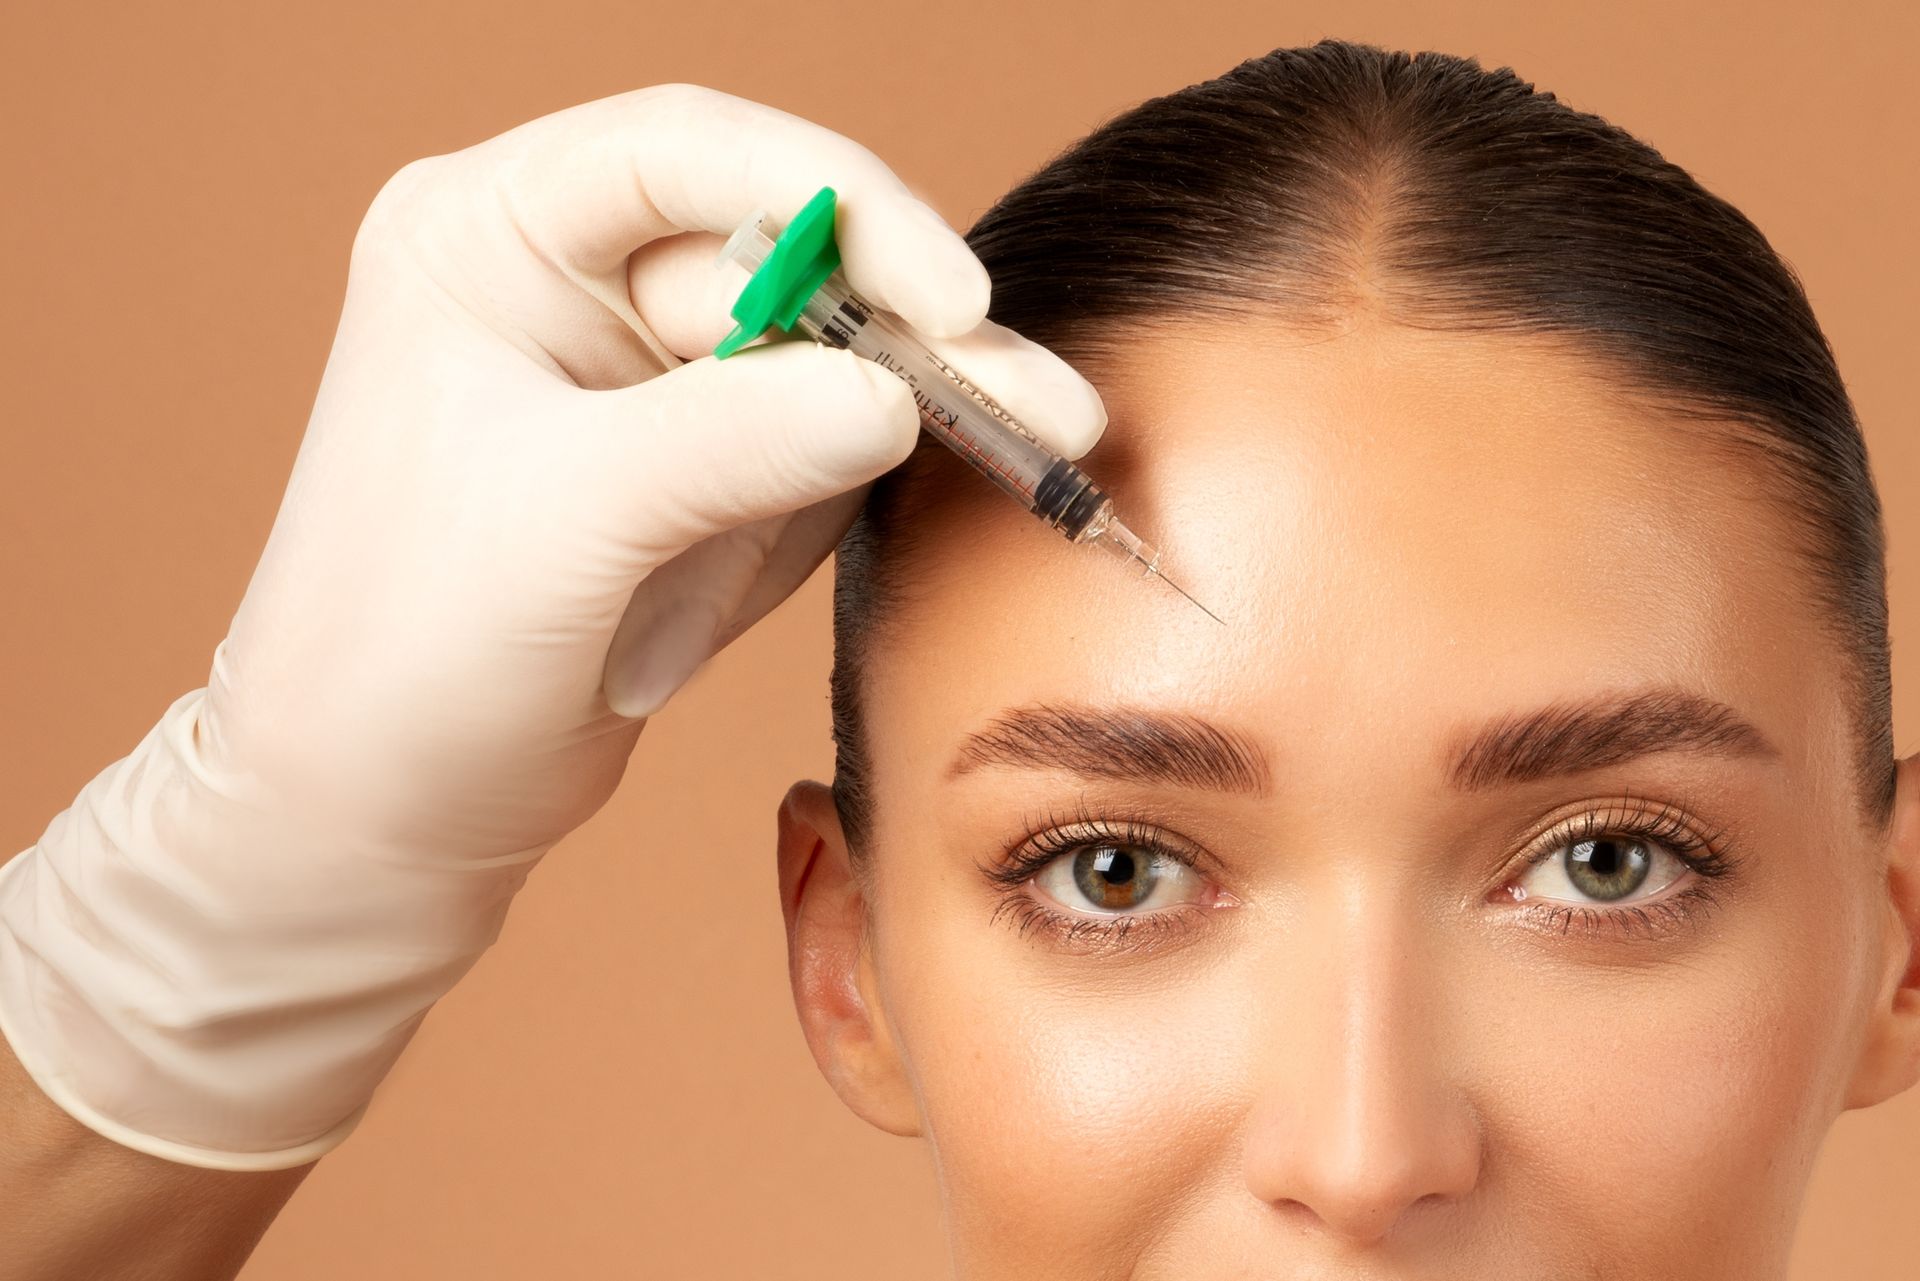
(620,1088)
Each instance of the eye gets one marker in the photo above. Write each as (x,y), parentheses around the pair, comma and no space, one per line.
(1104,884)
(1627,868)
(1606,868)
(1113,879)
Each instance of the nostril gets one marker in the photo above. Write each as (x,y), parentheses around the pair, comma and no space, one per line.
(1361,1220)
(1364,1195)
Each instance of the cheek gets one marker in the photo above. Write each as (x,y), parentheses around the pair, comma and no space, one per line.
(1669,1113)
(1063,1116)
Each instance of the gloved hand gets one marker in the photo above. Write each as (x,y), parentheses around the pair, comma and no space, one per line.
(510,490)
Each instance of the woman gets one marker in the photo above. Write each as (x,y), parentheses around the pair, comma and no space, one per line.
(1504,892)
(1321,945)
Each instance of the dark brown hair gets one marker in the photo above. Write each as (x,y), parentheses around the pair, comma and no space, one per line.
(1464,199)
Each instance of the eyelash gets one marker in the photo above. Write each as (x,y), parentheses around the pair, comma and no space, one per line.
(1705,856)
(1046,842)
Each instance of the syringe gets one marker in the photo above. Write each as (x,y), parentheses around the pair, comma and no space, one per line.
(796,280)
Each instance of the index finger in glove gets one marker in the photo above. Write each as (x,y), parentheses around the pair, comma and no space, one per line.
(589,185)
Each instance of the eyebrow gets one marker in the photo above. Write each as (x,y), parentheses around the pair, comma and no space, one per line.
(1565,737)
(1154,747)
(1126,743)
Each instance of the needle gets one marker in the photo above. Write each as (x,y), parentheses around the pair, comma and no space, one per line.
(1183,591)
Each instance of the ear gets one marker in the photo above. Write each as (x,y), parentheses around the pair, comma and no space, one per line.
(831,964)
(1890,1056)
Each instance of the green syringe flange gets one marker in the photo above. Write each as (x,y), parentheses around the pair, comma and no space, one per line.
(797,265)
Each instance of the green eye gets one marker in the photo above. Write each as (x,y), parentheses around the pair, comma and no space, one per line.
(1606,868)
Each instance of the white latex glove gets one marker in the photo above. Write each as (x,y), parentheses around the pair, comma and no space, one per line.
(502,497)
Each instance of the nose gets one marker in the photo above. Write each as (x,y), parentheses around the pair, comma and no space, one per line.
(1360,1114)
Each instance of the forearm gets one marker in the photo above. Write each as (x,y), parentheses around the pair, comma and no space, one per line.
(75,1205)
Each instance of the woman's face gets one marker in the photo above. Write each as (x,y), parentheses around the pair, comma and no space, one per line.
(1487,898)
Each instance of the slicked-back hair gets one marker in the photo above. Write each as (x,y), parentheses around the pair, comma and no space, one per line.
(1456,198)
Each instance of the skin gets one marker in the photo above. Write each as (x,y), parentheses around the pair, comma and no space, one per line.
(78,1205)
(1352,1053)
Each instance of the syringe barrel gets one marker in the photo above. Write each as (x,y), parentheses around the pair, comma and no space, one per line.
(952,409)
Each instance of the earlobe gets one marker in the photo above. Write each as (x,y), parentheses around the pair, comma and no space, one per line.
(830,964)
(1890,1056)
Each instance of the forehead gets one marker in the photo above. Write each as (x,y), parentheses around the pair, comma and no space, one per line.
(1401,528)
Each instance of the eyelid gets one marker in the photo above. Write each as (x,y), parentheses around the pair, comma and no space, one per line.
(1135,932)
(1700,851)
(1143,933)
(1122,825)
(1706,856)
(1034,910)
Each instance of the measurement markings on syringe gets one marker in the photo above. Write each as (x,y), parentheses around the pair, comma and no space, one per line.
(946,422)
(987,402)
(969,446)
(849,318)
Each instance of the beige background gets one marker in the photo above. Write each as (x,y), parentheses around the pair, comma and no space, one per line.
(620,1088)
